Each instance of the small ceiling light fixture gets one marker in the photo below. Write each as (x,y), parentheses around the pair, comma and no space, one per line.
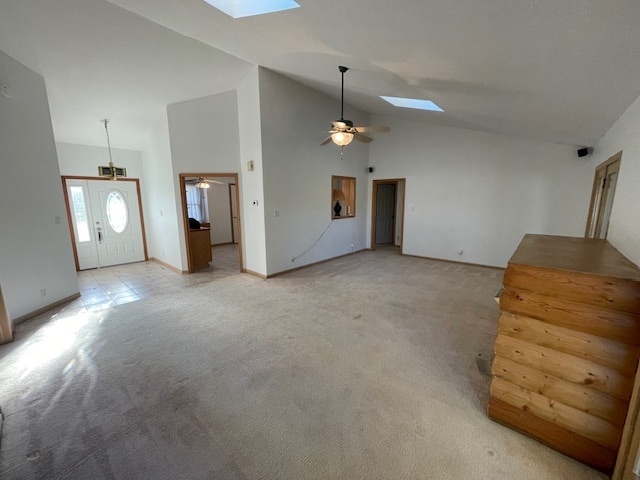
(412,103)
(202,183)
(250,8)
(342,138)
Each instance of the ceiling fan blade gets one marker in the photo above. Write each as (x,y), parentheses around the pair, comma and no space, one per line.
(381,128)
(326,140)
(362,138)
(202,179)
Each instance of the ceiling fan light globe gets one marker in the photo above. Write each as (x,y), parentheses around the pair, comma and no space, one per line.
(342,138)
(202,184)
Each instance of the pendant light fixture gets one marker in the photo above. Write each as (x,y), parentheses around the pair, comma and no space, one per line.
(112,167)
(202,183)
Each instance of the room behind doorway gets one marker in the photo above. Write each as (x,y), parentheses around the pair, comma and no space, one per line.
(387,213)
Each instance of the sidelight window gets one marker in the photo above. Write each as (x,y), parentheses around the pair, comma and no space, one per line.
(80,213)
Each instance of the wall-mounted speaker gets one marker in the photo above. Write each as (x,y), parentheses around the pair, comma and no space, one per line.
(583,152)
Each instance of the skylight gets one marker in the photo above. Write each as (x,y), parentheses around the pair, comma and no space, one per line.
(249,8)
(412,103)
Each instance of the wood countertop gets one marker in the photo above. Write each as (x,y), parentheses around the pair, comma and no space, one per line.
(584,255)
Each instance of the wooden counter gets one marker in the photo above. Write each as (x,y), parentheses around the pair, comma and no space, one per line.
(567,348)
(200,247)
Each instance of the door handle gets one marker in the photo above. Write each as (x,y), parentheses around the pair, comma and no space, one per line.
(99,234)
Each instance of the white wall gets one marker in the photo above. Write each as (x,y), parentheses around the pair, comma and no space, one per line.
(219,212)
(297,174)
(624,224)
(35,243)
(480,192)
(84,160)
(204,139)
(251,189)
(160,213)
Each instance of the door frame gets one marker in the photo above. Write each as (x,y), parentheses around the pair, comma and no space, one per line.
(233,235)
(613,164)
(185,221)
(6,330)
(374,201)
(70,221)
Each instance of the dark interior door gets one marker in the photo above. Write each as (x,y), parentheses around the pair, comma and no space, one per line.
(385,213)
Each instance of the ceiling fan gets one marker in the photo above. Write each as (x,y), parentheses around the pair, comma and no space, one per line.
(343,131)
(202,182)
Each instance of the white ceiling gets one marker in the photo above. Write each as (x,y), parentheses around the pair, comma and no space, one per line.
(555,71)
(100,61)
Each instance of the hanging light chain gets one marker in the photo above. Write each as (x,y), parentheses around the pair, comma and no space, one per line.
(111,164)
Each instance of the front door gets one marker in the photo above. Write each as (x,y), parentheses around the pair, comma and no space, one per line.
(107,227)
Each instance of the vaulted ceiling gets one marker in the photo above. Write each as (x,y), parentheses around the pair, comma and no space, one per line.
(555,71)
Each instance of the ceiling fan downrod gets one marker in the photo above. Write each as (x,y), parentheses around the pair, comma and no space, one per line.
(342,70)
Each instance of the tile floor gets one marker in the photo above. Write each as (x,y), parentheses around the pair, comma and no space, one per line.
(110,286)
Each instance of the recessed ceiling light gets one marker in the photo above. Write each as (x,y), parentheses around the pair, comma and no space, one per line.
(249,8)
(412,103)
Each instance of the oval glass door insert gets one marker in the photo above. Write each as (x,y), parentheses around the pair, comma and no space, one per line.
(117,212)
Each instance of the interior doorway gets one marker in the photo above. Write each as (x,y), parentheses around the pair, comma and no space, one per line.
(387,212)
(233,207)
(105,220)
(604,189)
(211,217)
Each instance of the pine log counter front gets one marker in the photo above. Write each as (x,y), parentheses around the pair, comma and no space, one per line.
(567,348)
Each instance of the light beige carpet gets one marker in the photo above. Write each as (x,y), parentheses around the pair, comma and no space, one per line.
(359,368)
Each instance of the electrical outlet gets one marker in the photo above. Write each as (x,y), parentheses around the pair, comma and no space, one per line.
(43,292)
(352,246)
